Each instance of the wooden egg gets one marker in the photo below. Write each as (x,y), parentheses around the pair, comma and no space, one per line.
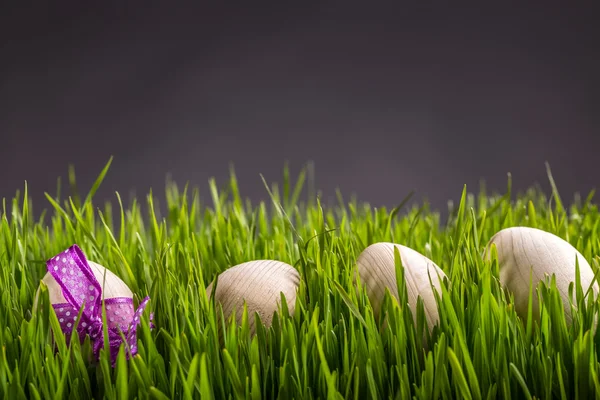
(118,299)
(259,283)
(377,272)
(521,249)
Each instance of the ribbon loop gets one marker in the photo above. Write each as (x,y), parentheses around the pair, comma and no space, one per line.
(79,285)
(80,288)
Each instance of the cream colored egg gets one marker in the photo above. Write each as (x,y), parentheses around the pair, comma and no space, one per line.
(521,249)
(259,283)
(377,272)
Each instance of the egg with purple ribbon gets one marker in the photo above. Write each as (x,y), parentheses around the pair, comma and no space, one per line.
(75,283)
(117,297)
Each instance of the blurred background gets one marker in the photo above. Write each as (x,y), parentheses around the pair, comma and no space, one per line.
(382,99)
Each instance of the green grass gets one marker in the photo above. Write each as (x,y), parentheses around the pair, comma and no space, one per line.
(332,347)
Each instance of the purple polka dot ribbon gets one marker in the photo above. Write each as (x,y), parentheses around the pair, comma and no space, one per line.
(80,287)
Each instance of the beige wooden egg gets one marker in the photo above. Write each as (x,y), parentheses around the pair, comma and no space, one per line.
(119,311)
(376,269)
(521,249)
(259,283)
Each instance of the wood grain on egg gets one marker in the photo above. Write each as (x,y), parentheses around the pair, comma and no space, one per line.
(259,283)
(521,249)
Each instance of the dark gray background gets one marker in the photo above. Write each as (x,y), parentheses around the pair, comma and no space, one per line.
(383,98)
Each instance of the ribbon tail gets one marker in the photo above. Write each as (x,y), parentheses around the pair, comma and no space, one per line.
(98,344)
(115,344)
(131,336)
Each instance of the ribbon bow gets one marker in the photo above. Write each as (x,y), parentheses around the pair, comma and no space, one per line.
(80,287)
